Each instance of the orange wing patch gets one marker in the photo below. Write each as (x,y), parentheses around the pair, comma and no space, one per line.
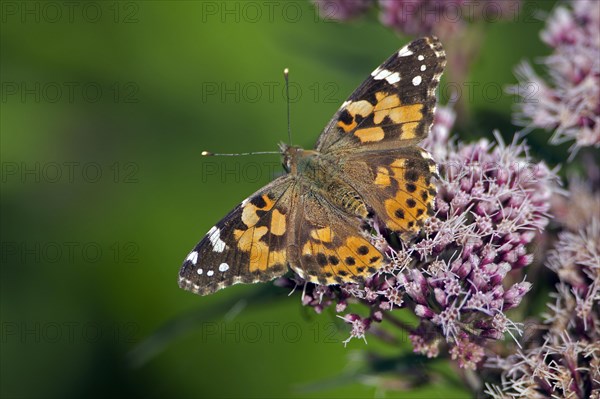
(278,223)
(413,198)
(250,211)
(411,113)
(362,108)
(390,105)
(387,105)
(383,177)
(408,131)
(357,258)
(261,257)
(370,134)
(324,234)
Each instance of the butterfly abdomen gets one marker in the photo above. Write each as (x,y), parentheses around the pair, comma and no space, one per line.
(324,176)
(346,198)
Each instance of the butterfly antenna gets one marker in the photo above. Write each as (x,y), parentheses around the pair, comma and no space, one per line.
(286,73)
(212,154)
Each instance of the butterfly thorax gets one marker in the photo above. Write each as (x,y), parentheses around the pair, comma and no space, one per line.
(296,159)
(320,173)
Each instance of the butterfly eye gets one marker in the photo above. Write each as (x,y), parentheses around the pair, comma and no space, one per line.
(289,153)
(286,164)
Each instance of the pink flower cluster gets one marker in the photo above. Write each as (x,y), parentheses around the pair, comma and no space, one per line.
(565,361)
(462,274)
(567,102)
(416,17)
(421,17)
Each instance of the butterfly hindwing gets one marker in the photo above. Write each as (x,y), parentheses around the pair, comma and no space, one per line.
(397,185)
(331,246)
(394,106)
(248,245)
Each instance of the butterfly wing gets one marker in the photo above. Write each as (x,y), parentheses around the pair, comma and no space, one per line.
(247,246)
(397,185)
(394,106)
(329,246)
(373,137)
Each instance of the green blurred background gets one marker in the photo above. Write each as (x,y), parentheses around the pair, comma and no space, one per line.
(105,109)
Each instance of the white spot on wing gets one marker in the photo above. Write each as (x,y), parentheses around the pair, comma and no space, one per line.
(416,80)
(390,77)
(426,155)
(404,52)
(199,271)
(393,78)
(214,235)
(423,67)
(244,202)
(210,273)
(382,74)
(420,58)
(193,257)
(223,267)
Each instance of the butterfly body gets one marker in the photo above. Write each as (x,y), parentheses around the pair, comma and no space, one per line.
(366,164)
(321,174)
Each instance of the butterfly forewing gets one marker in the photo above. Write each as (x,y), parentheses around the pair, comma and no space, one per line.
(394,106)
(246,246)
